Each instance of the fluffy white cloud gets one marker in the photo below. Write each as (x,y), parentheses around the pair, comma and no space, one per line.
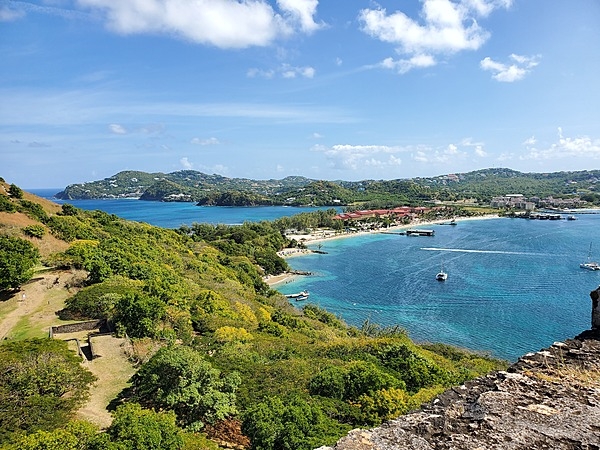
(209,141)
(185,163)
(446,27)
(222,23)
(565,147)
(301,11)
(353,157)
(357,157)
(115,128)
(515,71)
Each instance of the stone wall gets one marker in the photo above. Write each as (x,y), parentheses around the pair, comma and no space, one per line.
(79,326)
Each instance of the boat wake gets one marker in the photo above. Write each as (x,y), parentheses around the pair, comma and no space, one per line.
(497,252)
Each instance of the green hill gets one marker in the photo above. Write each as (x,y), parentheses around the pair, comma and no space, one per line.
(481,185)
(233,351)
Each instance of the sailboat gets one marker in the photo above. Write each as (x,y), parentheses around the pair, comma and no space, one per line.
(590,265)
(441,276)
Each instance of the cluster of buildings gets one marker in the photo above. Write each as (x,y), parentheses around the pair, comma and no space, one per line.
(518,201)
(397,213)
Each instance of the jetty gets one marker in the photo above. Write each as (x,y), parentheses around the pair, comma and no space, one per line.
(415,232)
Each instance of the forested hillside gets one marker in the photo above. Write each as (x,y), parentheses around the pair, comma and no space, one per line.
(232,359)
(480,185)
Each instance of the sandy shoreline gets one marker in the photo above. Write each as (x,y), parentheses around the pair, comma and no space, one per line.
(321,236)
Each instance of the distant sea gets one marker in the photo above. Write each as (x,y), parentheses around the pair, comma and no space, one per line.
(175,214)
(514,285)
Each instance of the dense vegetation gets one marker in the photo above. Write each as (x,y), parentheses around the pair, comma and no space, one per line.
(232,349)
(480,185)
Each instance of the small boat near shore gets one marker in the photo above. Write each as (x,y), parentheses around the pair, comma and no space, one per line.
(303,295)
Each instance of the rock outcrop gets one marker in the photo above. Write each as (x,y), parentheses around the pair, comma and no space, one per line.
(546,400)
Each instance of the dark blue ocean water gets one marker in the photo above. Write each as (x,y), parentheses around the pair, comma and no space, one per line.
(175,214)
(514,285)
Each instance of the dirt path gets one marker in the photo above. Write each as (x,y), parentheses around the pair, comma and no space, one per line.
(113,370)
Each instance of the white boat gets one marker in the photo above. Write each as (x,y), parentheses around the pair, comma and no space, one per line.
(299,296)
(590,265)
(571,217)
(441,276)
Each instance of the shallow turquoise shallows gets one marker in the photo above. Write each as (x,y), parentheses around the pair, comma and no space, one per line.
(513,286)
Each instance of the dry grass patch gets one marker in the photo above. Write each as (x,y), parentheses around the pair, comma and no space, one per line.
(112,368)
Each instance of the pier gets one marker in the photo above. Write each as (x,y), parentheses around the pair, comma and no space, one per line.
(420,232)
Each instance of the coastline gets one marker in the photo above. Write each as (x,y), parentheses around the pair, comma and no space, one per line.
(320,236)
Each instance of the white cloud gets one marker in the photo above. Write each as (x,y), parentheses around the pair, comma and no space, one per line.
(565,147)
(209,141)
(317,136)
(478,147)
(404,65)
(508,73)
(301,11)
(479,151)
(285,71)
(186,164)
(8,15)
(356,157)
(353,157)
(115,128)
(446,27)
(530,141)
(222,23)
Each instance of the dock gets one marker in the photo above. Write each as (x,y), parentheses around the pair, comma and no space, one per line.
(420,232)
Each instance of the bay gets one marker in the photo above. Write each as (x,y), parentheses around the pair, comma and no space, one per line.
(514,285)
(175,214)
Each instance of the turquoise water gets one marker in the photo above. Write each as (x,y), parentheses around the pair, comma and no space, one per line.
(514,285)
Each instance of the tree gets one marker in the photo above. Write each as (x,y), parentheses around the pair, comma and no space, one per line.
(138,314)
(17,259)
(41,383)
(293,424)
(136,428)
(15,191)
(76,435)
(179,379)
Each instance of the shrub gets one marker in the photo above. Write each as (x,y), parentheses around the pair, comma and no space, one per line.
(36,231)
(179,379)
(232,334)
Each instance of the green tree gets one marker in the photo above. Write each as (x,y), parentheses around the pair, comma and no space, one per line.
(17,259)
(15,191)
(179,379)
(135,428)
(293,424)
(41,383)
(138,314)
(76,435)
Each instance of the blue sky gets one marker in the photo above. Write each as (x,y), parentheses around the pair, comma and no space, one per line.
(329,89)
